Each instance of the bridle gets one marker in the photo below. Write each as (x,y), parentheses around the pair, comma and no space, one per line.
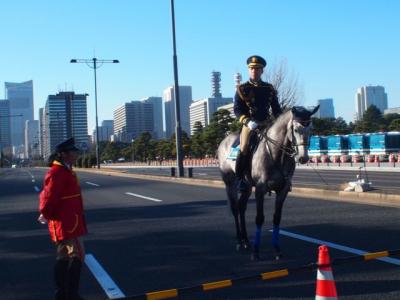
(293,149)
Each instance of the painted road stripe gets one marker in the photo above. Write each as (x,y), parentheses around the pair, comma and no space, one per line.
(390,260)
(105,281)
(36,188)
(144,197)
(91,183)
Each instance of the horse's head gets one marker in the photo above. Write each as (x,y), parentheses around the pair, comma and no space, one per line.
(300,127)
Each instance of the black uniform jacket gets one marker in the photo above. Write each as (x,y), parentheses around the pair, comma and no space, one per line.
(252,102)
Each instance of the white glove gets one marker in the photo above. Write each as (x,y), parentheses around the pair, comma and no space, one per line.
(252,125)
(42,220)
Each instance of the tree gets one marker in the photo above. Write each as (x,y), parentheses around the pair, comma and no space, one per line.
(395,125)
(372,121)
(285,82)
(218,129)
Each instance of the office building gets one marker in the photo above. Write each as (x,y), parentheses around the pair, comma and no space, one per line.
(65,116)
(132,119)
(370,95)
(326,109)
(228,107)
(393,110)
(5,132)
(32,148)
(20,96)
(106,130)
(158,132)
(185,99)
(202,110)
(41,131)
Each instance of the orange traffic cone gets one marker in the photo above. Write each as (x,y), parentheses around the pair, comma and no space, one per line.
(326,288)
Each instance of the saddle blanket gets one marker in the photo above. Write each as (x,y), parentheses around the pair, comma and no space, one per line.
(233,153)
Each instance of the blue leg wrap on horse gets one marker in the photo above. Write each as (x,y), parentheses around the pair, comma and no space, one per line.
(275,236)
(257,238)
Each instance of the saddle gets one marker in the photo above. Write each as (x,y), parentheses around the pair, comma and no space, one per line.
(253,145)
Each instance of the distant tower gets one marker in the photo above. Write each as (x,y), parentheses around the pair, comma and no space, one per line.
(238,78)
(216,84)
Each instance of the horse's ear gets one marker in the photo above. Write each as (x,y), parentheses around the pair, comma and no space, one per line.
(314,110)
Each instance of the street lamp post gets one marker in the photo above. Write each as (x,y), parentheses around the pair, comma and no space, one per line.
(178,132)
(95,63)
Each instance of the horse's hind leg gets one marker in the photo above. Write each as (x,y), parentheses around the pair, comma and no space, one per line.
(231,191)
(279,200)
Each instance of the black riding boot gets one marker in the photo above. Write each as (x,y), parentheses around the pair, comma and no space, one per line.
(241,162)
(60,278)
(74,276)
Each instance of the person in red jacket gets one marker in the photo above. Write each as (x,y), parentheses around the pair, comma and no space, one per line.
(61,206)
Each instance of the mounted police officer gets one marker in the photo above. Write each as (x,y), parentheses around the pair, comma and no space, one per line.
(253,100)
(61,206)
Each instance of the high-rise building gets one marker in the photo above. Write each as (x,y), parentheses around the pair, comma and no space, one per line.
(132,119)
(20,96)
(185,99)
(370,95)
(5,133)
(65,116)
(32,149)
(326,109)
(158,132)
(42,131)
(202,110)
(106,130)
(393,110)
(228,107)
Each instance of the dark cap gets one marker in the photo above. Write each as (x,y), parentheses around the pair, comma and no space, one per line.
(67,145)
(256,61)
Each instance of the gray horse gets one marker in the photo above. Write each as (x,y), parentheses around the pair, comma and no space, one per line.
(272,168)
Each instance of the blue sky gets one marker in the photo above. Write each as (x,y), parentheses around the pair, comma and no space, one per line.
(334,47)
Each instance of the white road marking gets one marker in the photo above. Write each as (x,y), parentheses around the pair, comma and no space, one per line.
(91,183)
(105,281)
(37,189)
(144,197)
(337,246)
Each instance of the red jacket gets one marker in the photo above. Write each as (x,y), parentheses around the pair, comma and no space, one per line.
(61,203)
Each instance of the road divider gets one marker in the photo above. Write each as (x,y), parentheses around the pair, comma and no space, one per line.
(102,277)
(209,286)
(371,197)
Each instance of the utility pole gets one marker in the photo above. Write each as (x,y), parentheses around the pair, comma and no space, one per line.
(178,131)
(94,64)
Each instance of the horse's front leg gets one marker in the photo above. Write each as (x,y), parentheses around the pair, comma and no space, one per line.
(260,192)
(244,197)
(279,200)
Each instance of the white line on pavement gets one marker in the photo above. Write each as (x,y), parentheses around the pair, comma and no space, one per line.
(91,183)
(105,281)
(144,197)
(337,246)
(37,189)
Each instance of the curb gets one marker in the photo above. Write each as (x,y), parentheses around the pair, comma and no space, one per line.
(370,198)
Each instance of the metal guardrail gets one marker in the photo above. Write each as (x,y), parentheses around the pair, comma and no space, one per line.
(209,286)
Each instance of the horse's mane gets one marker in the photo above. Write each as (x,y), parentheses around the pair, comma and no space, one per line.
(282,119)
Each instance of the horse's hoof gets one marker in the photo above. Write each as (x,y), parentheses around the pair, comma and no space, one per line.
(246,246)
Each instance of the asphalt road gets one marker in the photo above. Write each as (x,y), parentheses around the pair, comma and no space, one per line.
(166,235)
(383,181)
